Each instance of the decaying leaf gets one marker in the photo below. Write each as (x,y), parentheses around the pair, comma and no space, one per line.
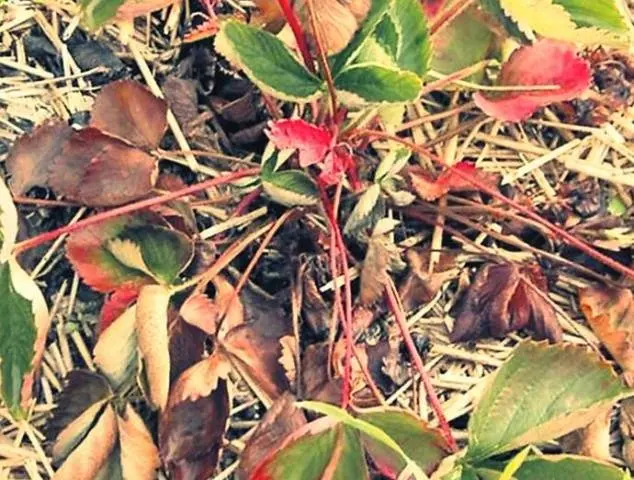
(430,189)
(151,327)
(93,452)
(95,165)
(610,313)
(626,426)
(255,351)
(114,305)
(8,223)
(381,258)
(281,420)
(115,353)
(201,379)
(29,159)
(82,400)
(100,170)
(128,252)
(500,301)
(546,62)
(128,110)
(593,440)
(317,383)
(421,285)
(191,433)
(139,456)
(337,21)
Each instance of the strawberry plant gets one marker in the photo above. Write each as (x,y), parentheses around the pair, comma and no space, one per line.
(181,319)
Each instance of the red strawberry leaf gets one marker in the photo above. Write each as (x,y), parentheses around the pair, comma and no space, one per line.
(432,7)
(430,189)
(311,141)
(128,252)
(546,62)
(336,164)
(128,110)
(114,306)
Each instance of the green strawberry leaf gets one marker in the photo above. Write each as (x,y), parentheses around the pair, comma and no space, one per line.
(557,467)
(422,444)
(334,453)
(541,392)
(17,340)
(350,53)
(414,48)
(98,12)
(290,188)
(267,62)
(464,42)
(602,14)
(374,83)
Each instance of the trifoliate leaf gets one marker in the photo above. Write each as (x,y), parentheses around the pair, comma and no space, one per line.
(267,62)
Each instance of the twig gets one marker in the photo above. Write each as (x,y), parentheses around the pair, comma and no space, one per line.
(296,27)
(322,59)
(132,207)
(399,315)
(554,229)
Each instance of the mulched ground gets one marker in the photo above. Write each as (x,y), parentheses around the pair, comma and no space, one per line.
(50,67)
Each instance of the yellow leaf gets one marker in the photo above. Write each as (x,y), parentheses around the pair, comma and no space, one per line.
(151,326)
(139,456)
(93,452)
(545,18)
(70,437)
(129,253)
(8,222)
(115,351)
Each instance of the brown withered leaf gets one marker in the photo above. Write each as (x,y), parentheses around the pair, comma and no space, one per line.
(191,433)
(128,110)
(500,301)
(101,171)
(200,311)
(87,459)
(186,345)
(29,159)
(315,311)
(337,21)
(282,419)
(420,286)
(316,381)
(138,455)
(182,98)
(593,440)
(201,379)
(82,390)
(256,352)
(610,313)
(152,333)
(382,257)
(451,180)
